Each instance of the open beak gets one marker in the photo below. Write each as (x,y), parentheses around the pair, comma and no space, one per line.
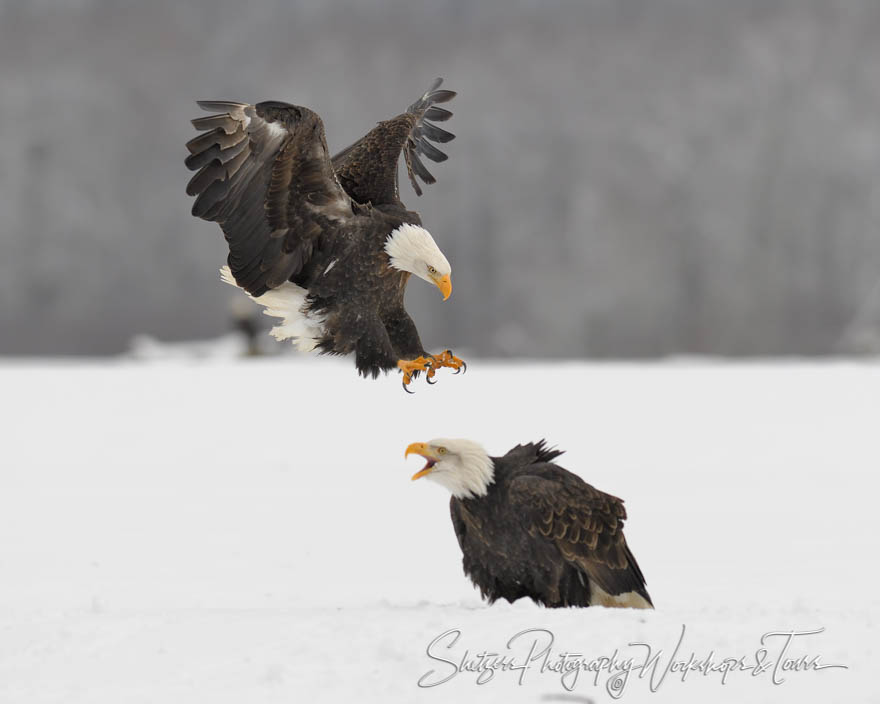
(421,448)
(444,283)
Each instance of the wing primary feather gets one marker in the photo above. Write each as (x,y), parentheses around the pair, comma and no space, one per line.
(194,162)
(434,86)
(215,136)
(220,105)
(204,178)
(437,114)
(441,96)
(214,171)
(211,196)
(434,133)
(419,168)
(232,166)
(213,211)
(225,122)
(431,96)
(429,150)
(408,155)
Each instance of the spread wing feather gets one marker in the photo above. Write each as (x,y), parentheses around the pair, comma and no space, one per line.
(585,524)
(264,175)
(368,168)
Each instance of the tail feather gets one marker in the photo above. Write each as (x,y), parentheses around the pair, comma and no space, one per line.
(618,584)
(288,302)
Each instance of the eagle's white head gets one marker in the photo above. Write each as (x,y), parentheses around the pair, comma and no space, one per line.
(411,248)
(462,466)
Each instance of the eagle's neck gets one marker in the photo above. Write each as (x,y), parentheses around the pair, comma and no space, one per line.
(474,475)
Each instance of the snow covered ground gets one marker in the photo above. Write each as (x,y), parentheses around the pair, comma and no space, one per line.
(246,531)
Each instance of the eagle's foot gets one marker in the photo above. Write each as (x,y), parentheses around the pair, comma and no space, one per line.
(411,367)
(445,359)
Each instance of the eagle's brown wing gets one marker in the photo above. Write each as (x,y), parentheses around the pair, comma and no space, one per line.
(368,168)
(585,524)
(264,175)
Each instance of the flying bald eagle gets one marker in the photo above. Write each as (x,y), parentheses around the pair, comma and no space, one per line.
(528,527)
(325,245)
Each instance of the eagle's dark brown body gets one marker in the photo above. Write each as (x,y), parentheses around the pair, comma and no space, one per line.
(290,213)
(362,314)
(542,532)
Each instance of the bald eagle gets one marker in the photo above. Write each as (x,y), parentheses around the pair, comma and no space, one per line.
(325,244)
(529,528)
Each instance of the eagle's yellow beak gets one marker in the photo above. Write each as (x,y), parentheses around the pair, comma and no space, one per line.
(444,283)
(421,448)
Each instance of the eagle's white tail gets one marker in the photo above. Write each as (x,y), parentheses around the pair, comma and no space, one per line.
(287,302)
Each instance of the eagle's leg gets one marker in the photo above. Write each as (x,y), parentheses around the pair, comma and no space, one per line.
(411,367)
(445,359)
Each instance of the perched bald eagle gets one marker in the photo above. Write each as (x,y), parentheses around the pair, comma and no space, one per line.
(528,527)
(325,245)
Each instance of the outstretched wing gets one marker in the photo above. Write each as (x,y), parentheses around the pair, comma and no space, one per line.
(264,175)
(585,524)
(368,168)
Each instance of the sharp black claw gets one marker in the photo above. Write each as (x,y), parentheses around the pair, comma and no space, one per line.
(406,388)
(463,366)
(428,379)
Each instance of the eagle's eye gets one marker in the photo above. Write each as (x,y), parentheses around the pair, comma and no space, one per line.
(431,270)
(441,450)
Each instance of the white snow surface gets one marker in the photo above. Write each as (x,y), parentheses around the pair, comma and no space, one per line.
(247,531)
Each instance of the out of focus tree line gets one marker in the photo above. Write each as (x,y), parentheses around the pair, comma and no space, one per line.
(631,177)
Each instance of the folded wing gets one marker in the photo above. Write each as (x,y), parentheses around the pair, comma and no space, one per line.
(585,524)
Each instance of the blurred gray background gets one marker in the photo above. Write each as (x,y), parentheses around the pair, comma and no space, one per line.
(631,178)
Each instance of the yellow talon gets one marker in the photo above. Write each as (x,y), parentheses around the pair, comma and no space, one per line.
(447,359)
(410,366)
(429,365)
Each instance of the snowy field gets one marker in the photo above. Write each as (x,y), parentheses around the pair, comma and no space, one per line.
(247,531)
